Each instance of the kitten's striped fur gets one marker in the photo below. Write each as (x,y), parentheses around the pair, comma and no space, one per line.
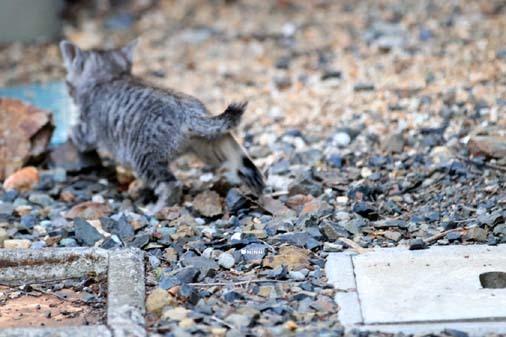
(144,127)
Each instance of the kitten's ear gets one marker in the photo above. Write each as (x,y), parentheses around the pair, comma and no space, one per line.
(70,52)
(128,50)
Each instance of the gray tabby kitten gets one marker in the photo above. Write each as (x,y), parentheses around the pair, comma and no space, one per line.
(145,127)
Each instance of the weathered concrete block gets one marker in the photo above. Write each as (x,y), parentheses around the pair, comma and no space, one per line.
(125,284)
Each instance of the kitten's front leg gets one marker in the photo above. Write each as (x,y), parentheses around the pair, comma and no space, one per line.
(168,193)
(153,169)
(83,137)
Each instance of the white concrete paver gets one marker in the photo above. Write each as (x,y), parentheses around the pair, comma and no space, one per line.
(395,289)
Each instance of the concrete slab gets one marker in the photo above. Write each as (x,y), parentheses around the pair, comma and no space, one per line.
(423,291)
(125,283)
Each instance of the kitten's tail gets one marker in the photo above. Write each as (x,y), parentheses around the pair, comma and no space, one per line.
(226,151)
(212,127)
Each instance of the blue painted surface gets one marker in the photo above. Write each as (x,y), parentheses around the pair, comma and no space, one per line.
(52,97)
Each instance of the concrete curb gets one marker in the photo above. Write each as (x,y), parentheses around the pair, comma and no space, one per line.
(125,282)
(340,273)
(46,264)
(356,277)
(125,302)
(71,331)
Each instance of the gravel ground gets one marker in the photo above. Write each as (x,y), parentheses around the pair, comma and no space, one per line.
(60,303)
(377,124)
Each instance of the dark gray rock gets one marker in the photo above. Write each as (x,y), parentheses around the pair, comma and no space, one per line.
(433,216)
(314,232)
(305,184)
(297,239)
(308,157)
(389,42)
(332,231)
(140,240)
(154,261)
(231,296)
(68,242)
(501,53)
(492,240)
(417,244)
(365,210)
(490,219)
(278,273)
(456,168)
(254,252)
(390,223)
(167,282)
(283,62)
(28,221)
(204,265)
(335,160)
(500,229)
(10,196)
(331,74)
(186,275)
(40,199)
(363,86)
(86,233)
(454,236)
(312,244)
(235,201)
(425,34)
(395,143)
(122,228)
(282,82)
(354,226)
(6,208)
(189,293)
(111,242)
(455,333)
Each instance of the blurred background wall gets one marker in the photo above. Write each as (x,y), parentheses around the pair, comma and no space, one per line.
(29,20)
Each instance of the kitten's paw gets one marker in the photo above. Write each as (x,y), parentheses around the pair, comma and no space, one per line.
(152,209)
(168,194)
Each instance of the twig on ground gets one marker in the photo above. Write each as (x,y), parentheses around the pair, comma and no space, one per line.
(468,208)
(41,281)
(442,234)
(352,244)
(477,163)
(278,194)
(466,220)
(58,296)
(230,326)
(237,283)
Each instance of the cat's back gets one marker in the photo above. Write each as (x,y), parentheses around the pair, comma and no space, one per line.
(133,95)
(127,112)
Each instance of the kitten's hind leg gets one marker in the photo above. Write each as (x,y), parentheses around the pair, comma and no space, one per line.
(155,173)
(226,151)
